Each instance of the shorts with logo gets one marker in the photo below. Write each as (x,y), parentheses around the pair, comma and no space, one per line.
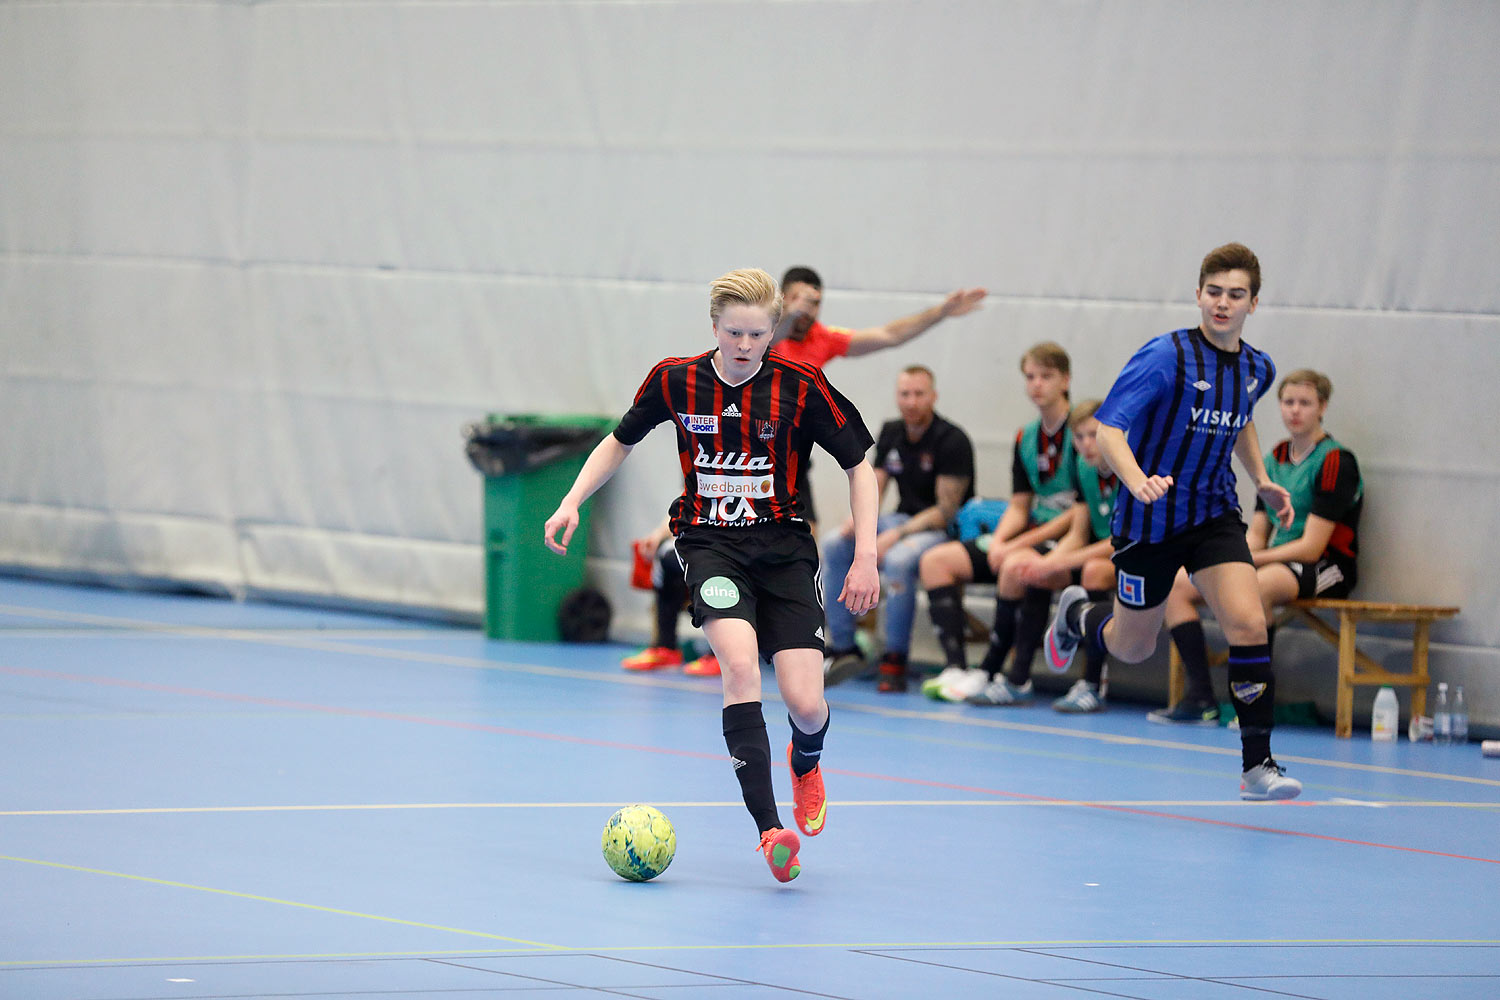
(1145,571)
(764,574)
(1331,578)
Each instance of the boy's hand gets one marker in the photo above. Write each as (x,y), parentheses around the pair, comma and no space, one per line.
(862,586)
(1278,500)
(565,519)
(1152,489)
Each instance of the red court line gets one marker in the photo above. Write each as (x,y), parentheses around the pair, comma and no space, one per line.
(423,720)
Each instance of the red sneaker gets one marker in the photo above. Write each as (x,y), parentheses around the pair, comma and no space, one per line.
(780,848)
(809,804)
(703,666)
(654,658)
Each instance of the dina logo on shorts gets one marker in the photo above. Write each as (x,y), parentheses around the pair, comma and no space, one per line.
(719,592)
(1132,590)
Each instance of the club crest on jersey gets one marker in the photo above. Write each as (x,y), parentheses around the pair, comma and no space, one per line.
(765,429)
(1250,384)
(700,423)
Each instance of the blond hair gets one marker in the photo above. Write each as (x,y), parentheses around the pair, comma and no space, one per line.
(747,286)
(1084,411)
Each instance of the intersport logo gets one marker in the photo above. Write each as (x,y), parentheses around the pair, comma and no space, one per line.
(732,461)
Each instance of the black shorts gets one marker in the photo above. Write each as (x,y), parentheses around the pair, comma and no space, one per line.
(979,560)
(766,575)
(1331,578)
(1145,571)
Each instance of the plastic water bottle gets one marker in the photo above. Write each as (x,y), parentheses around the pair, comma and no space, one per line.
(1458,717)
(1386,716)
(1442,719)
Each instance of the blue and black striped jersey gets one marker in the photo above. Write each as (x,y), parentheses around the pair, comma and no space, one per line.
(1182,403)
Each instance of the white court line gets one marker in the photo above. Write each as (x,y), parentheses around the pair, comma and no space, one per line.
(701,687)
(737,804)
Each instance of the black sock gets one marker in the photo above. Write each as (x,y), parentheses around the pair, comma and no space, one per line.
(946,605)
(807,748)
(1002,636)
(1093,656)
(750,750)
(1252,688)
(1270,641)
(1090,621)
(1030,628)
(669,598)
(1188,638)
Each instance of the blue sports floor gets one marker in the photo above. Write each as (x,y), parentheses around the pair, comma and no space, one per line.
(207,799)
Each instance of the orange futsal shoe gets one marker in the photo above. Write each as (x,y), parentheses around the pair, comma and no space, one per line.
(703,666)
(654,658)
(809,804)
(780,848)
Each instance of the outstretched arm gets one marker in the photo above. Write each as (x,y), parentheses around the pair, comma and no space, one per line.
(602,463)
(899,331)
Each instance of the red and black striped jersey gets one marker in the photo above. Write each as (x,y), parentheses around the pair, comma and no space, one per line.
(742,447)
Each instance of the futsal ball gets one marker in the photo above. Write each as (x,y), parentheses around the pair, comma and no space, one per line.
(639,842)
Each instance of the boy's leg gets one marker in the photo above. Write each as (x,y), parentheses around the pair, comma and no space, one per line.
(900,610)
(944,569)
(799,678)
(734,643)
(1198,705)
(1232,591)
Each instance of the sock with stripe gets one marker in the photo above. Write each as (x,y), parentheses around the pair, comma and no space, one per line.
(807,748)
(1252,688)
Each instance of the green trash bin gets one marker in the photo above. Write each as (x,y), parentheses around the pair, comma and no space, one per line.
(529,461)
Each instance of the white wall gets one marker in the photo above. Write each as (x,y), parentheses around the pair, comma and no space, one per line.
(260,261)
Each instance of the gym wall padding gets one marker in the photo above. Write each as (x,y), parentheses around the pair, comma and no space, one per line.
(260,261)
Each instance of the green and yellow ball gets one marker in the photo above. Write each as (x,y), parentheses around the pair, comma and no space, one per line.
(639,842)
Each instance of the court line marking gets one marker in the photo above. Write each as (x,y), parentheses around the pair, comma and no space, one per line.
(922,782)
(280,902)
(58,963)
(737,804)
(700,687)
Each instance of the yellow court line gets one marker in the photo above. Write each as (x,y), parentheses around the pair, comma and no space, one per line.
(278,902)
(737,804)
(478,663)
(803,945)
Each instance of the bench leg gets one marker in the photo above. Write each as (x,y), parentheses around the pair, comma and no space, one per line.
(1419,668)
(1343,726)
(1176,676)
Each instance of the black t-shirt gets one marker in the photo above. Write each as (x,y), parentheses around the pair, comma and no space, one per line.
(742,448)
(943,450)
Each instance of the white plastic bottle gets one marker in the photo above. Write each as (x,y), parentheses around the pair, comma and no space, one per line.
(1459,717)
(1442,719)
(1386,716)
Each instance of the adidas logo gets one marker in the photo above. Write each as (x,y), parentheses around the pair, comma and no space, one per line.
(731,411)
(818,633)
(737,763)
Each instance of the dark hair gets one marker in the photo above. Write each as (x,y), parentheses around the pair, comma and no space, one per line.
(1232,257)
(801,275)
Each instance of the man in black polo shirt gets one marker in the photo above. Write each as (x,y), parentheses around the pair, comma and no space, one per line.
(931,461)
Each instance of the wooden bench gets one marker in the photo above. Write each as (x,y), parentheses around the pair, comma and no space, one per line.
(1355,668)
